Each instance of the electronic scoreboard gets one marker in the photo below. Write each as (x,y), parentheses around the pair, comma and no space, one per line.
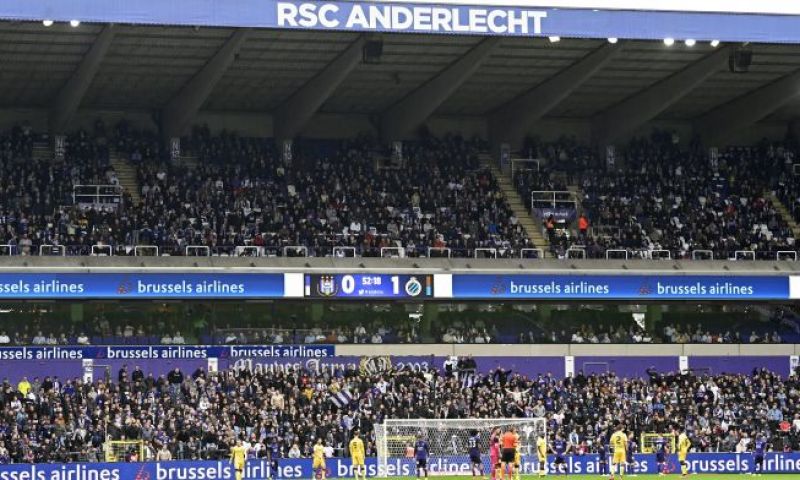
(367,285)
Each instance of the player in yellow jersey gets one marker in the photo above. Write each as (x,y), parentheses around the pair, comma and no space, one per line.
(318,465)
(515,467)
(239,458)
(357,455)
(619,442)
(684,445)
(541,453)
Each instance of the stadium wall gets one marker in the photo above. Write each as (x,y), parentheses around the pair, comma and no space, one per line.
(341,467)
(340,125)
(93,362)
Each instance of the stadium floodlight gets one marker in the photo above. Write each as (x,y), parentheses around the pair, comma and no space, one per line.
(715,43)
(47,23)
(669,41)
(690,42)
(613,39)
(74,23)
(448,440)
(554,39)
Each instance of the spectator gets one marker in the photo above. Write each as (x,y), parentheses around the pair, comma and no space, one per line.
(163,455)
(24,386)
(583,227)
(294,452)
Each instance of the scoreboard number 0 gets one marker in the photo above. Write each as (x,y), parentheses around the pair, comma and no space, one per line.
(348,284)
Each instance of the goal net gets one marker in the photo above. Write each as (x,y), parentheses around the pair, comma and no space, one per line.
(448,442)
(124,451)
(648,441)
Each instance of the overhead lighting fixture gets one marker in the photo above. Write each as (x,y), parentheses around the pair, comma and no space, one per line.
(74,23)
(669,41)
(715,43)
(690,42)
(613,40)
(47,23)
(554,39)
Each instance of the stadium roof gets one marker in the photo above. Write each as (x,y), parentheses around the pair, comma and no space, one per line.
(144,67)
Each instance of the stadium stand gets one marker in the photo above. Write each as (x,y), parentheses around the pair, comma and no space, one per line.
(166,325)
(661,198)
(317,138)
(198,416)
(238,193)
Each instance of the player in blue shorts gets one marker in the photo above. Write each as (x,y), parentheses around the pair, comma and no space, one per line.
(421,452)
(759,447)
(632,448)
(473,443)
(602,454)
(661,449)
(560,449)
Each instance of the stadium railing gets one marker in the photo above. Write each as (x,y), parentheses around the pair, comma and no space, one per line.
(574,252)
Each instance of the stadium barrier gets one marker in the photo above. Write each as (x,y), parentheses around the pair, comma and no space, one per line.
(731,463)
(631,361)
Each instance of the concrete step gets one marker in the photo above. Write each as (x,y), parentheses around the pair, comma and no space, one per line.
(126,174)
(189,161)
(531,225)
(784,213)
(42,151)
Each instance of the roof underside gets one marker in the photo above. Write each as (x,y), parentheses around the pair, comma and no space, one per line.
(146,66)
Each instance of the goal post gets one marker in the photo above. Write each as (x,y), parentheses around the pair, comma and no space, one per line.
(448,443)
(124,451)
(648,440)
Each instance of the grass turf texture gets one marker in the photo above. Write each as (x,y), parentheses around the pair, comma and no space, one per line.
(704,476)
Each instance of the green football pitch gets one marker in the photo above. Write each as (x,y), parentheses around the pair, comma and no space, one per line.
(774,476)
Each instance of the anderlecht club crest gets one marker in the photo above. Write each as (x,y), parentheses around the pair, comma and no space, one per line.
(326,286)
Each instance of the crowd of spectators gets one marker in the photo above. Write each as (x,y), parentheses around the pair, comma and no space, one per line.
(242,193)
(239,192)
(38,205)
(162,326)
(359,333)
(656,196)
(199,415)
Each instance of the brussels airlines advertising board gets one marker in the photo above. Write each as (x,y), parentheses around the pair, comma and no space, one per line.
(167,352)
(620,287)
(141,285)
(719,463)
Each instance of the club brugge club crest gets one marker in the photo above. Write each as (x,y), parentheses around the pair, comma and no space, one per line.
(326,286)
(413,287)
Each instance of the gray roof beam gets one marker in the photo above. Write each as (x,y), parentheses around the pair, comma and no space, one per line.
(179,112)
(730,118)
(292,116)
(71,94)
(513,120)
(623,118)
(412,111)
